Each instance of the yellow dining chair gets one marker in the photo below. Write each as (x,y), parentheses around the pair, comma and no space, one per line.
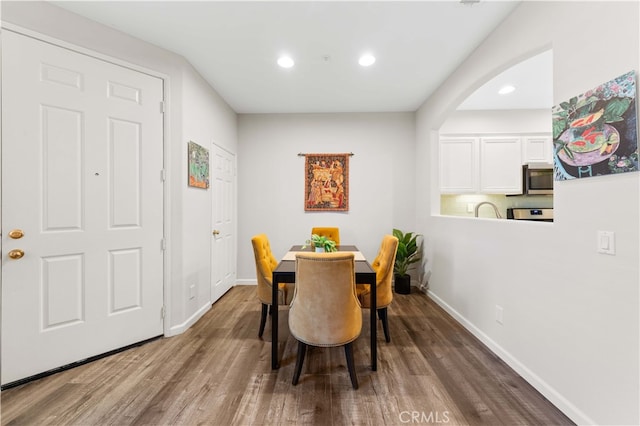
(325,311)
(383,265)
(331,233)
(265,264)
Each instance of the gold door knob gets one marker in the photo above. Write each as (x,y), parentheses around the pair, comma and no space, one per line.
(16,234)
(16,254)
(216,232)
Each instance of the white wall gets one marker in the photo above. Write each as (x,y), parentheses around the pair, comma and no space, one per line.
(206,120)
(271,179)
(194,111)
(571,316)
(518,121)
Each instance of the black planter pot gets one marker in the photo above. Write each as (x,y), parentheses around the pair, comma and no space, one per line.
(403,284)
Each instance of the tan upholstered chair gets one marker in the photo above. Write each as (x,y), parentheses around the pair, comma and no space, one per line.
(383,265)
(325,310)
(331,233)
(265,264)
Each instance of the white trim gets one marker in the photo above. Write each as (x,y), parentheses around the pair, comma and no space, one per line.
(181,328)
(166,129)
(569,409)
(167,199)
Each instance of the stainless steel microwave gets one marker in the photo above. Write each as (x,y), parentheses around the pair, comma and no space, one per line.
(537,180)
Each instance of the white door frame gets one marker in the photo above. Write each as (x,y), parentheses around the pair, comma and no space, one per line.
(165,145)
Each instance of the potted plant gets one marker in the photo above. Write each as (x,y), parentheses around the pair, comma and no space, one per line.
(406,255)
(321,243)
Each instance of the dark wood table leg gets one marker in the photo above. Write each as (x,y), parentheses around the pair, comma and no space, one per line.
(274,325)
(374,329)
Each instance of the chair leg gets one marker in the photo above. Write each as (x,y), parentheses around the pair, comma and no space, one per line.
(382,314)
(263,319)
(348,352)
(302,350)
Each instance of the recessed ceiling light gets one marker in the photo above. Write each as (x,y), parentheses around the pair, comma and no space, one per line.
(506,89)
(366,60)
(285,62)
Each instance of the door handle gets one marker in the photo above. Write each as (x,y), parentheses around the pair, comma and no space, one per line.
(216,232)
(16,234)
(16,254)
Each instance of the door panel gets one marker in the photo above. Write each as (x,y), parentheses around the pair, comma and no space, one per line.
(82,154)
(62,291)
(124,167)
(125,286)
(223,263)
(62,158)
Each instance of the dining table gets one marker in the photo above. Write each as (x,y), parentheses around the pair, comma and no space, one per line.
(285,272)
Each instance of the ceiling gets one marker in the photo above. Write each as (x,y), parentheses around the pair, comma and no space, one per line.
(234,45)
(533,83)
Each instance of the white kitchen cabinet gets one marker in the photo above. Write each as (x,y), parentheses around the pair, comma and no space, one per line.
(500,166)
(537,149)
(458,165)
(488,165)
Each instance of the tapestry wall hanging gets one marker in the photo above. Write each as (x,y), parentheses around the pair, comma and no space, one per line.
(326,184)
(595,133)
(198,166)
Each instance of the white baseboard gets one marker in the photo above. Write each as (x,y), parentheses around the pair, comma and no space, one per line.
(564,405)
(181,328)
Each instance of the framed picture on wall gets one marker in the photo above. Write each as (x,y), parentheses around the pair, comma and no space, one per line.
(595,132)
(326,182)
(198,166)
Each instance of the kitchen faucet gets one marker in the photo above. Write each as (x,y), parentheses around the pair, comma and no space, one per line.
(495,209)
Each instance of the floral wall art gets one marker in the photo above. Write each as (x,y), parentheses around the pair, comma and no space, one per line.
(326,186)
(198,166)
(595,133)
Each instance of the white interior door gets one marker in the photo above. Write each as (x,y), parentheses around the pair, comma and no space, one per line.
(82,155)
(223,263)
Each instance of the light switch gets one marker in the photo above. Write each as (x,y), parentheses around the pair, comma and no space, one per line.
(606,242)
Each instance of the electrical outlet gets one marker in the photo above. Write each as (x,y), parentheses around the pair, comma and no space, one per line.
(499,314)
(192,292)
(470,207)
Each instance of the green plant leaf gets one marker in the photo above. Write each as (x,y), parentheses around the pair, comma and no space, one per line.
(568,152)
(558,127)
(583,110)
(615,108)
(407,252)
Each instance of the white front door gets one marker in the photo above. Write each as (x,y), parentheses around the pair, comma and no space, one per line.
(223,263)
(82,156)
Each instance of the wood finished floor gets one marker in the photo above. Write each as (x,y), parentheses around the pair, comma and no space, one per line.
(219,373)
